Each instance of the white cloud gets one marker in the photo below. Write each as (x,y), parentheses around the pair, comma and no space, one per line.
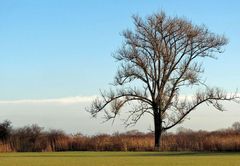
(73,100)
(65,100)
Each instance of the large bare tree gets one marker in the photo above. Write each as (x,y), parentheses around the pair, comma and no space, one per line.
(159,60)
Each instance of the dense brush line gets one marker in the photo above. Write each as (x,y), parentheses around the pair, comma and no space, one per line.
(34,139)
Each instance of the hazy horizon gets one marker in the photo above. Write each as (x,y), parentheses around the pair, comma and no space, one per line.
(70,115)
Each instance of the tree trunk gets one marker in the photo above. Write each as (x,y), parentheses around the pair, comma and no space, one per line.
(157,132)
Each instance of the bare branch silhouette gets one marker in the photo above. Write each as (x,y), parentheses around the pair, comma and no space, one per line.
(159,59)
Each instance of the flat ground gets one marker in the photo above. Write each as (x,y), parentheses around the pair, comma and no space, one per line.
(120,159)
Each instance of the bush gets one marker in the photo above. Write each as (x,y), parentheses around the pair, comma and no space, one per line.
(34,139)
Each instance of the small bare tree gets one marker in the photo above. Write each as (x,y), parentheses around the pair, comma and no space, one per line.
(159,60)
(236,126)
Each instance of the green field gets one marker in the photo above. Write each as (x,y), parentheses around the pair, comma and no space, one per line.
(119,159)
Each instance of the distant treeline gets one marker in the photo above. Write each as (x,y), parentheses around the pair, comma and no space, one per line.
(34,139)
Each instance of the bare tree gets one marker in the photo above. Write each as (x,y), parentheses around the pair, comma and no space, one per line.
(236,126)
(159,60)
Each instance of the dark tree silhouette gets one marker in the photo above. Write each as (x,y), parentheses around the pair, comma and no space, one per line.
(5,130)
(160,59)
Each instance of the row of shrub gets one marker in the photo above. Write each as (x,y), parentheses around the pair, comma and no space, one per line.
(34,139)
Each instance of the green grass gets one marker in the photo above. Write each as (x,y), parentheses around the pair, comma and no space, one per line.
(120,159)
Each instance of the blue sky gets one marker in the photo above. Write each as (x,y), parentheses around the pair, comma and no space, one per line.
(62,48)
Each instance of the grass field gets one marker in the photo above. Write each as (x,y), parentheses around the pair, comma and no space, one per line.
(119,159)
